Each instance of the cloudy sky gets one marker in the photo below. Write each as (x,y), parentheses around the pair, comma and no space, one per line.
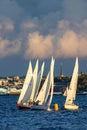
(31,29)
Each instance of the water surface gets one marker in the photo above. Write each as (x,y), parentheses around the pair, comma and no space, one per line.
(13,119)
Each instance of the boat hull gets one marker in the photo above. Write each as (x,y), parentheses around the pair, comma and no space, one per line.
(21,107)
(40,107)
(71,107)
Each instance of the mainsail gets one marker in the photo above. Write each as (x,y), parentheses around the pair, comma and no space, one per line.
(41,95)
(23,96)
(35,73)
(52,81)
(48,84)
(73,85)
(39,78)
(28,90)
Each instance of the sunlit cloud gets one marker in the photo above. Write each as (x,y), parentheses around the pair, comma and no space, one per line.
(71,44)
(39,46)
(8,47)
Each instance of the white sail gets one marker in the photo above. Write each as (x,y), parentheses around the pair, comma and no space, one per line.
(39,78)
(45,90)
(52,82)
(34,82)
(28,92)
(23,96)
(41,100)
(66,91)
(73,85)
(41,95)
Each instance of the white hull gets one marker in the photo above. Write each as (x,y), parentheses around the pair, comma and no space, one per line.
(40,107)
(57,93)
(71,107)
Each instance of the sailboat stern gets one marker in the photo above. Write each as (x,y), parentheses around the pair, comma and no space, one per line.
(19,106)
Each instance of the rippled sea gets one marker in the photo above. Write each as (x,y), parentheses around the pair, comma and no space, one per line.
(13,119)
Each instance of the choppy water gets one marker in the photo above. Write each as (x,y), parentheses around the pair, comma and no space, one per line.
(13,119)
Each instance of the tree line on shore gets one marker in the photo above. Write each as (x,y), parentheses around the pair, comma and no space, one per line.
(82,81)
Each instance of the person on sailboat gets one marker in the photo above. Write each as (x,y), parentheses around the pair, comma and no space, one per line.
(36,103)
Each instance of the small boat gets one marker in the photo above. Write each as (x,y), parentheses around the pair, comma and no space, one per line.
(3,91)
(66,91)
(13,91)
(85,92)
(57,93)
(71,93)
(42,102)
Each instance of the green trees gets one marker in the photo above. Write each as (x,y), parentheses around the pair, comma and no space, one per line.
(82,82)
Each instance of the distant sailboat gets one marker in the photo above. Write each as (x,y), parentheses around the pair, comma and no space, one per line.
(41,100)
(3,91)
(66,91)
(71,93)
(27,93)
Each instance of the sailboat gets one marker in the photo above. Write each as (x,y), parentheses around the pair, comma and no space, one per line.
(27,92)
(31,86)
(3,91)
(71,93)
(66,91)
(42,102)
